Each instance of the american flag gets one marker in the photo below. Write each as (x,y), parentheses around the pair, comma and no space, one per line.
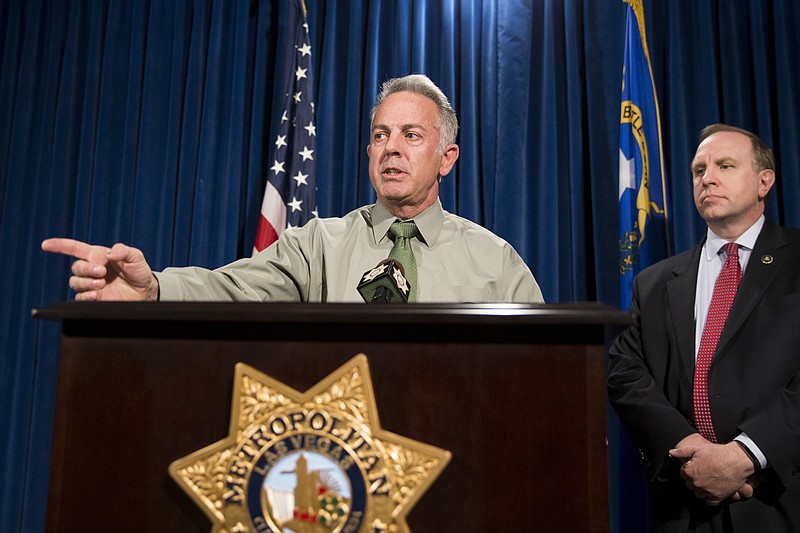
(290,195)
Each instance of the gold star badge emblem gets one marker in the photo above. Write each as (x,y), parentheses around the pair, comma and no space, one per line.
(374,273)
(401,281)
(308,462)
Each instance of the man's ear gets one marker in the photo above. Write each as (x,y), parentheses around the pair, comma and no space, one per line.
(449,157)
(766,179)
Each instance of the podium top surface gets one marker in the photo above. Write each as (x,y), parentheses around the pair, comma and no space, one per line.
(515,323)
(574,313)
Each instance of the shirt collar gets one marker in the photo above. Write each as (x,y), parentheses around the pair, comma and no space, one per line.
(429,222)
(746,240)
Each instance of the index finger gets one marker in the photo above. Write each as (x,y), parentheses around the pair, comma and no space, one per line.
(64,246)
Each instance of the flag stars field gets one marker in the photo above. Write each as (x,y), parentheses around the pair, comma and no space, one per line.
(290,192)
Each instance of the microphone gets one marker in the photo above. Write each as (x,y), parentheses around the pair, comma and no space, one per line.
(385,283)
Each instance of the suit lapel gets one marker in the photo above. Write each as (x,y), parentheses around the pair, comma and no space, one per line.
(765,262)
(680,306)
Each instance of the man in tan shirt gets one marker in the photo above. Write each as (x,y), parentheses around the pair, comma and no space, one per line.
(412,147)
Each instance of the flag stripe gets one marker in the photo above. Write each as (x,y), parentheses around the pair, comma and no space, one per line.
(273,210)
(266,235)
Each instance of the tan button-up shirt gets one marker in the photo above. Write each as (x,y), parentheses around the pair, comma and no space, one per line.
(457,261)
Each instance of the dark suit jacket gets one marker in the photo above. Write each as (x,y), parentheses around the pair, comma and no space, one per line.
(754,380)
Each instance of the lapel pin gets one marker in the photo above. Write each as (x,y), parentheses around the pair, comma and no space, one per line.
(767,259)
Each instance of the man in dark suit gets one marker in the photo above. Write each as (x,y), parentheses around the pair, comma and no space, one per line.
(736,468)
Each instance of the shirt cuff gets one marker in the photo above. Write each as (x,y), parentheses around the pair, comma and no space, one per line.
(754,449)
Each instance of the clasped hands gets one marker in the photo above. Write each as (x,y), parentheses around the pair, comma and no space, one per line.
(715,472)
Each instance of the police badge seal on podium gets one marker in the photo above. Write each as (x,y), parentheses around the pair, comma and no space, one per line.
(313,462)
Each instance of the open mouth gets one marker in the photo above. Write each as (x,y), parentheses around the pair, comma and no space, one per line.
(392,172)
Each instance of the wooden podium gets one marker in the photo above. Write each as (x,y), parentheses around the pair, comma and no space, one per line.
(516,393)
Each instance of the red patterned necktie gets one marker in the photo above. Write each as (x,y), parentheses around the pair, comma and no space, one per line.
(724,292)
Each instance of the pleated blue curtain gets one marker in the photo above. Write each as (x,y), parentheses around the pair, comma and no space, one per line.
(735,62)
(140,122)
(150,123)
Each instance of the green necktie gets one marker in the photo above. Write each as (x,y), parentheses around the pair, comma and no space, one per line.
(403,232)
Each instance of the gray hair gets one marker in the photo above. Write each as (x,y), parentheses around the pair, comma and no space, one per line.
(447,124)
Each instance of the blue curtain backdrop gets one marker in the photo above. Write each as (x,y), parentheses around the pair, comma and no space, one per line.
(148,122)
